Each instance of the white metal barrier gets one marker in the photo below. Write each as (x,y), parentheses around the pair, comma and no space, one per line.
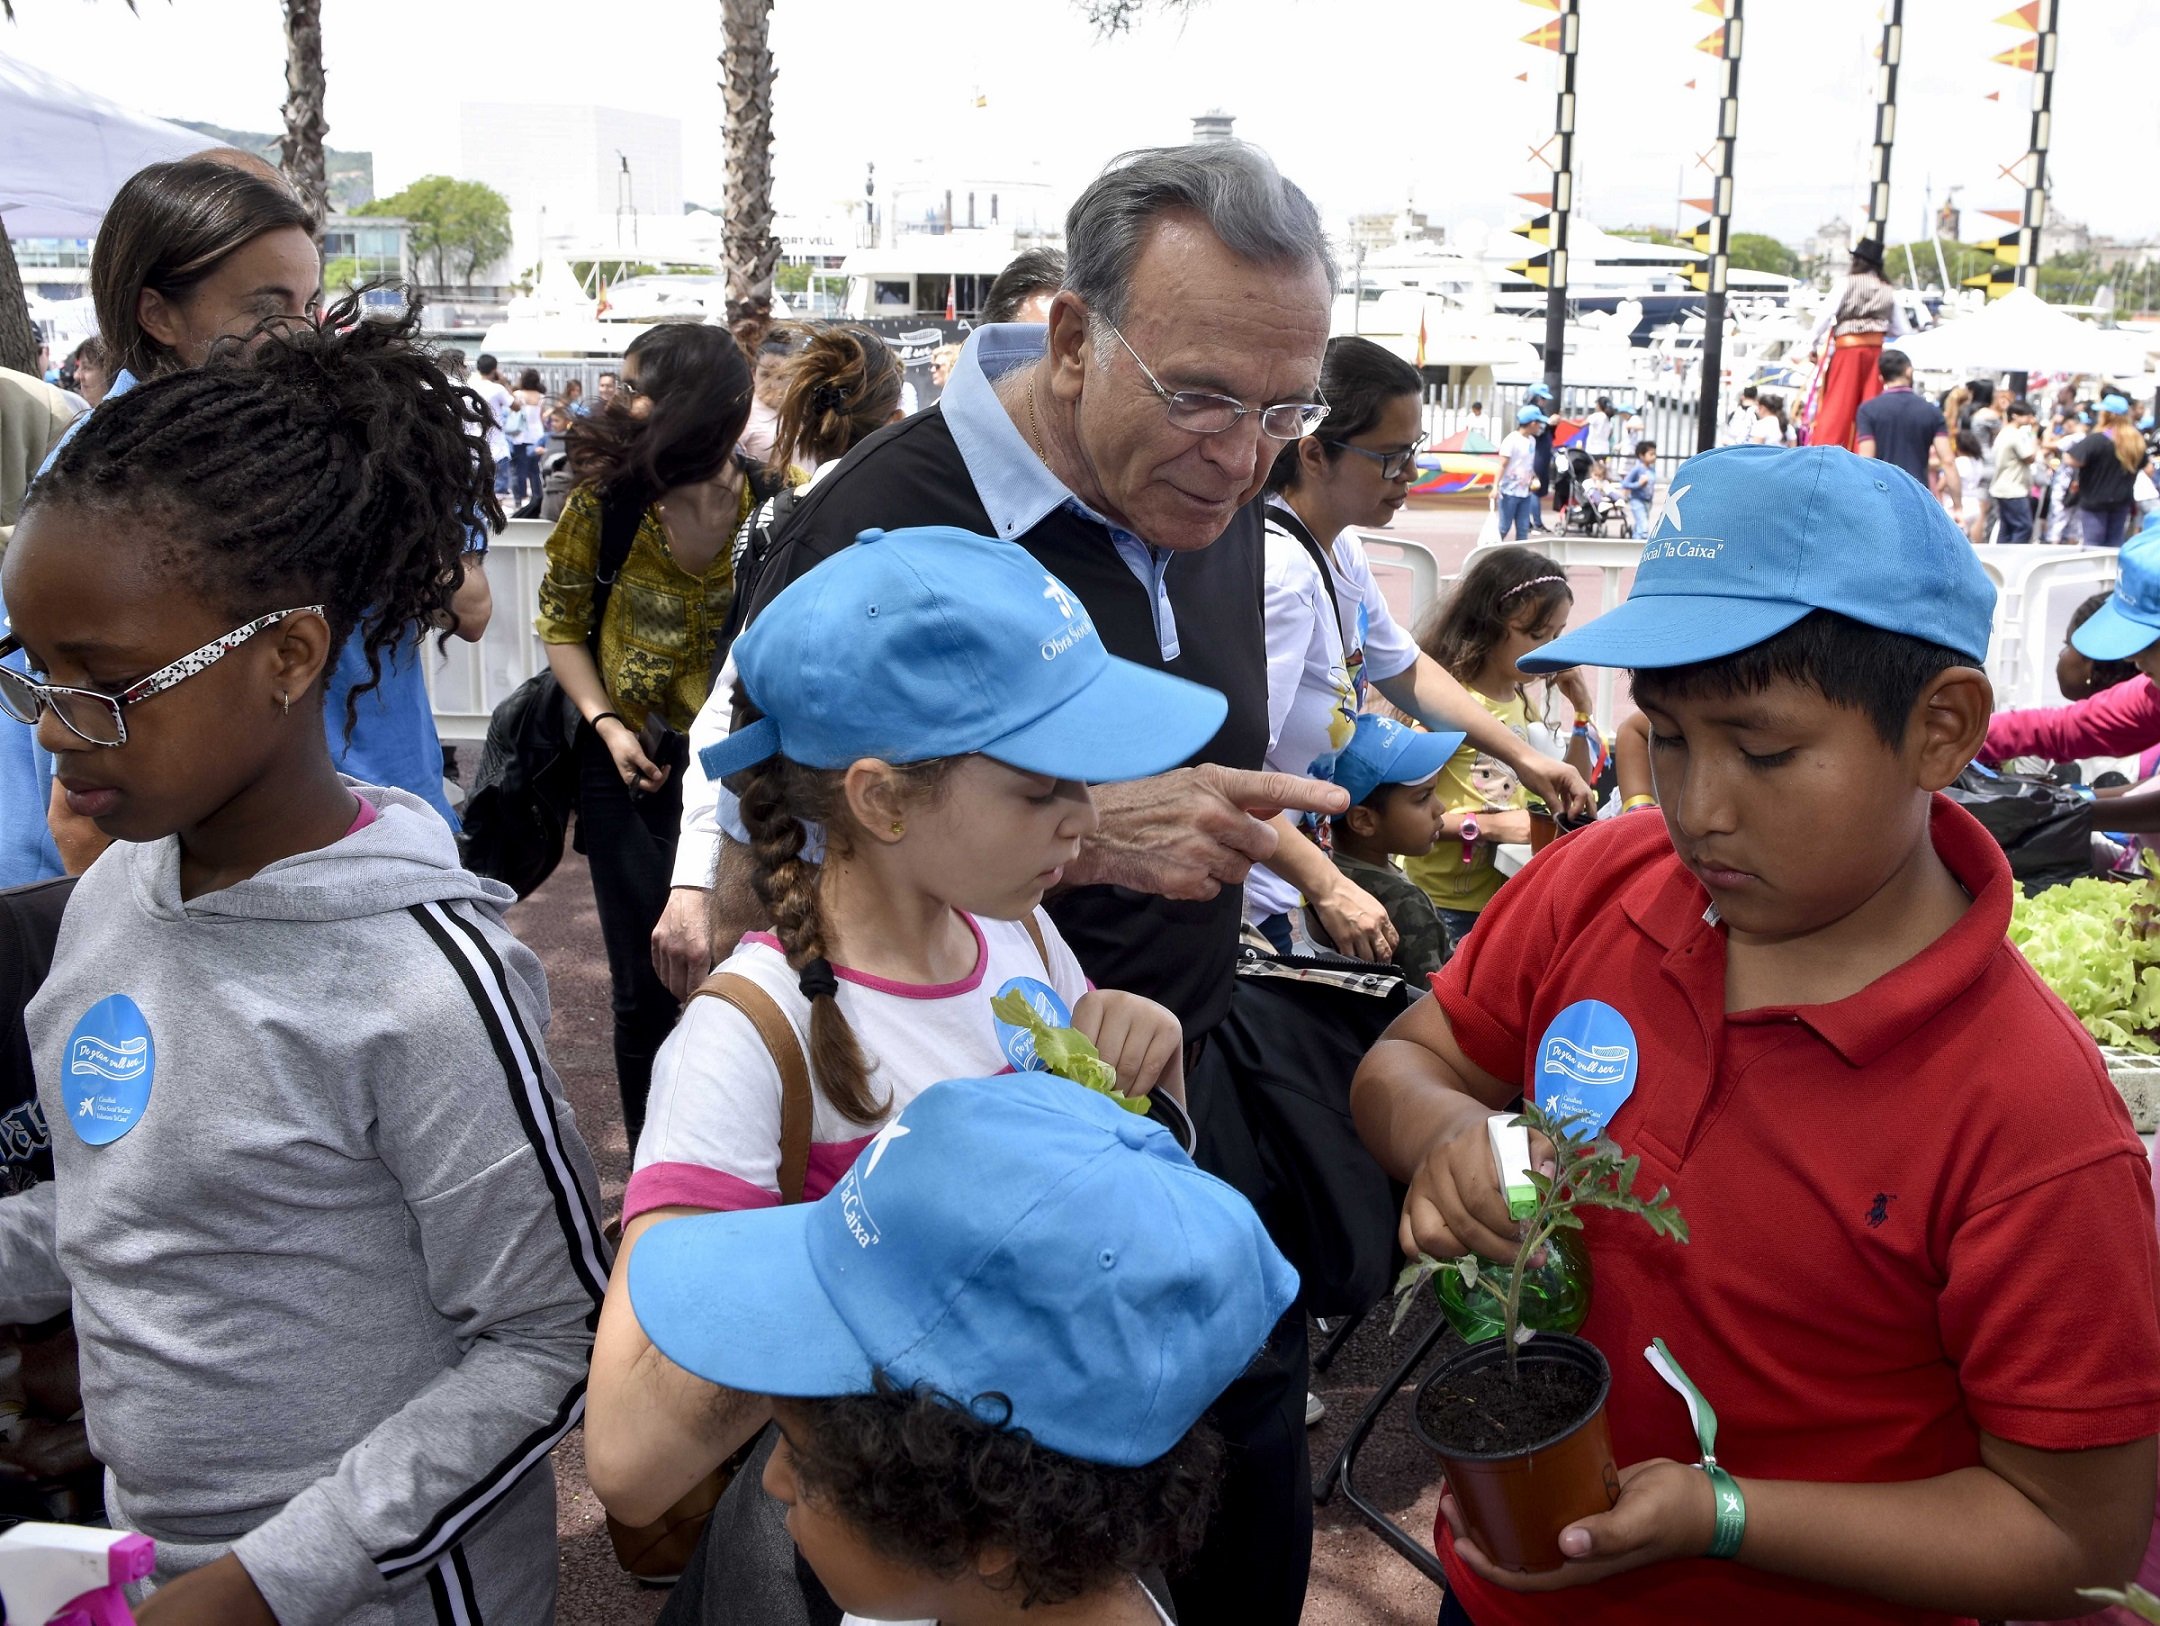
(468,681)
(2037,588)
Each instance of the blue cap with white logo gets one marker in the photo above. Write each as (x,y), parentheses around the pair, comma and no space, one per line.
(1383,752)
(1754,538)
(2129,622)
(1020,1236)
(936,642)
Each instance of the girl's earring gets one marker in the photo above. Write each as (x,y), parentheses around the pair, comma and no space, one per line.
(899,827)
(284,705)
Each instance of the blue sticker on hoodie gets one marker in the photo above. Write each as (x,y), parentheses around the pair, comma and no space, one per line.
(1586,1065)
(1019,1044)
(105,1078)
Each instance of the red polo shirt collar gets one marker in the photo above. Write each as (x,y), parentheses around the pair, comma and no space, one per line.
(1669,906)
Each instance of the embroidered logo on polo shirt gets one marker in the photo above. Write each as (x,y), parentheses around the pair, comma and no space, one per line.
(1879,1210)
(1586,1065)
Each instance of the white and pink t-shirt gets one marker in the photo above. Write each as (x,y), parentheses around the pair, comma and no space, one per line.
(712,1123)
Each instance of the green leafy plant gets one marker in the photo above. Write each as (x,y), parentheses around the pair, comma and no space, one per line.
(2133,1598)
(1063,1051)
(2096,943)
(1588,1172)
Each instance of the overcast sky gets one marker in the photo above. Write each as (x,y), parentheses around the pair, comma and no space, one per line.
(1366,103)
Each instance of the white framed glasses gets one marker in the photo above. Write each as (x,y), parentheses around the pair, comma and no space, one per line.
(1203,412)
(96,718)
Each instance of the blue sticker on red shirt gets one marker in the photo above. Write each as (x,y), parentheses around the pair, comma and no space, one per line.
(105,1075)
(1019,1044)
(1586,1065)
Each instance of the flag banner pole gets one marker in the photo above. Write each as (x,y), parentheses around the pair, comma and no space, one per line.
(1886,77)
(1711,389)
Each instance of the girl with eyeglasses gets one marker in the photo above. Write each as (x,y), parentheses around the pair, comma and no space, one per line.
(1331,635)
(319,1204)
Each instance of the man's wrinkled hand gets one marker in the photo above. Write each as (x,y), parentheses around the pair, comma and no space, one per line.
(1190,833)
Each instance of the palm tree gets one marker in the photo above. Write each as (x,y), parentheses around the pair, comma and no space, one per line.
(300,155)
(746,80)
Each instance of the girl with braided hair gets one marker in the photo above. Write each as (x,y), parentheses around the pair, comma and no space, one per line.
(939,706)
(320,1206)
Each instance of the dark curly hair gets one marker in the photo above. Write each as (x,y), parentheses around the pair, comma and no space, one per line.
(325,462)
(699,385)
(931,1484)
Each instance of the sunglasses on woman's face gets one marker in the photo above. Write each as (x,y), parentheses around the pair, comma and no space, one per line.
(95,717)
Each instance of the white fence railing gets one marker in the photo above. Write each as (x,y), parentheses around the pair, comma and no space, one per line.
(2037,589)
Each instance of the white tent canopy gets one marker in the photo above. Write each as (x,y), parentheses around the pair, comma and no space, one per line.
(66,151)
(2021,332)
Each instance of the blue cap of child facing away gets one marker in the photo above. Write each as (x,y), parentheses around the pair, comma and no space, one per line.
(1020,1236)
(1754,538)
(2129,622)
(935,642)
(1383,752)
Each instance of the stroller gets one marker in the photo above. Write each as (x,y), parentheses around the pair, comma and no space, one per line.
(1592,505)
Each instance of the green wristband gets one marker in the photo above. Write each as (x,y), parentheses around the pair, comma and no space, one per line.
(1731,1512)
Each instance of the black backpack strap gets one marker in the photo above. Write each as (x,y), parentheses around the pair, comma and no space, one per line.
(1281,517)
(620,517)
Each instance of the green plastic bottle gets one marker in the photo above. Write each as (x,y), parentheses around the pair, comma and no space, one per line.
(1555,1298)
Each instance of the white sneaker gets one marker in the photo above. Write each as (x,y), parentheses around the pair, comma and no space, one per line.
(1315,1408)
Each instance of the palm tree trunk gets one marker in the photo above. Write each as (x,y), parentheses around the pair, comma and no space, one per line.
(301,155)
(18,338)
(746,81)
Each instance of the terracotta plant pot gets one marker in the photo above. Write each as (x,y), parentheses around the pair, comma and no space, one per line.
(1516,1502)
(1544,829)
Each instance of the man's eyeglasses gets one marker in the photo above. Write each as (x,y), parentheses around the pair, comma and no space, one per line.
(1202,412)
(93,717)
(1393,465)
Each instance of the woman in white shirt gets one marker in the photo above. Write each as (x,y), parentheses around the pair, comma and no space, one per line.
(1329,635)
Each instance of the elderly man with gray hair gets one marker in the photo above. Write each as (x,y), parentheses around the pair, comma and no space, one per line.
(1124,443)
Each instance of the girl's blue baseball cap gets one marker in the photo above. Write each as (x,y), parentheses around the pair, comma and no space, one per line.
(1019,1236)
(2129,622)
(936,642)
(1754,538)
(2115,404)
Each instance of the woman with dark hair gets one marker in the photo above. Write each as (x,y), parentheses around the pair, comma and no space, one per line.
(657,466)
(191,252)
(1329,634)
(1857,323)
(527,430)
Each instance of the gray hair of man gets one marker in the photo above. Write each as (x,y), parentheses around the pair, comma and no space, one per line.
(1231,185)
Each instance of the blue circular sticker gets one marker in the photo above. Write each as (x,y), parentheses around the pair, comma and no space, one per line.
(1586,1065)
(1019,1044)
(105,1079)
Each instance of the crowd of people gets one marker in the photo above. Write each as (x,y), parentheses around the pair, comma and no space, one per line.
(1074,689)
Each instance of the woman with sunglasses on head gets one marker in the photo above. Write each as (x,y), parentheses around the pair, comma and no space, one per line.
(660,467)
(1330,636)
(319,1204)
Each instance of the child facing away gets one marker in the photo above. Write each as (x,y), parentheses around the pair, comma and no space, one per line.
(1895,1149)
(1639,486)
(989,1351)
(1508,602)
(1392,775)
(319,1203)
(937,704)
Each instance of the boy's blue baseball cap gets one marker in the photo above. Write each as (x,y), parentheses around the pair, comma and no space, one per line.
(1756,537)
(2129,622)
(936,642)
(1383,752)
(1530,414)
(1538,392)
(1021,1236)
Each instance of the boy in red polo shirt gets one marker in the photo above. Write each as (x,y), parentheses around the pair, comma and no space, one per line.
(1923,1290)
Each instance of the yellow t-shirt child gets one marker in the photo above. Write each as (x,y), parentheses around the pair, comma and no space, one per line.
(1447,880)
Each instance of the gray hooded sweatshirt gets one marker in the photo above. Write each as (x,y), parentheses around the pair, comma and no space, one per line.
(325,1222)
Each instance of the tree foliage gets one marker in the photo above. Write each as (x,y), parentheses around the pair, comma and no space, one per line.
(1752,251)
(456,227)
(1110,18)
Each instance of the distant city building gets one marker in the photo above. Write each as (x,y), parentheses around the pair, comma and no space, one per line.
(576,162)
(1214,125)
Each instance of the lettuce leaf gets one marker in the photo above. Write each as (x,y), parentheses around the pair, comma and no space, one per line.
(1064,1051)
(2096,943)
